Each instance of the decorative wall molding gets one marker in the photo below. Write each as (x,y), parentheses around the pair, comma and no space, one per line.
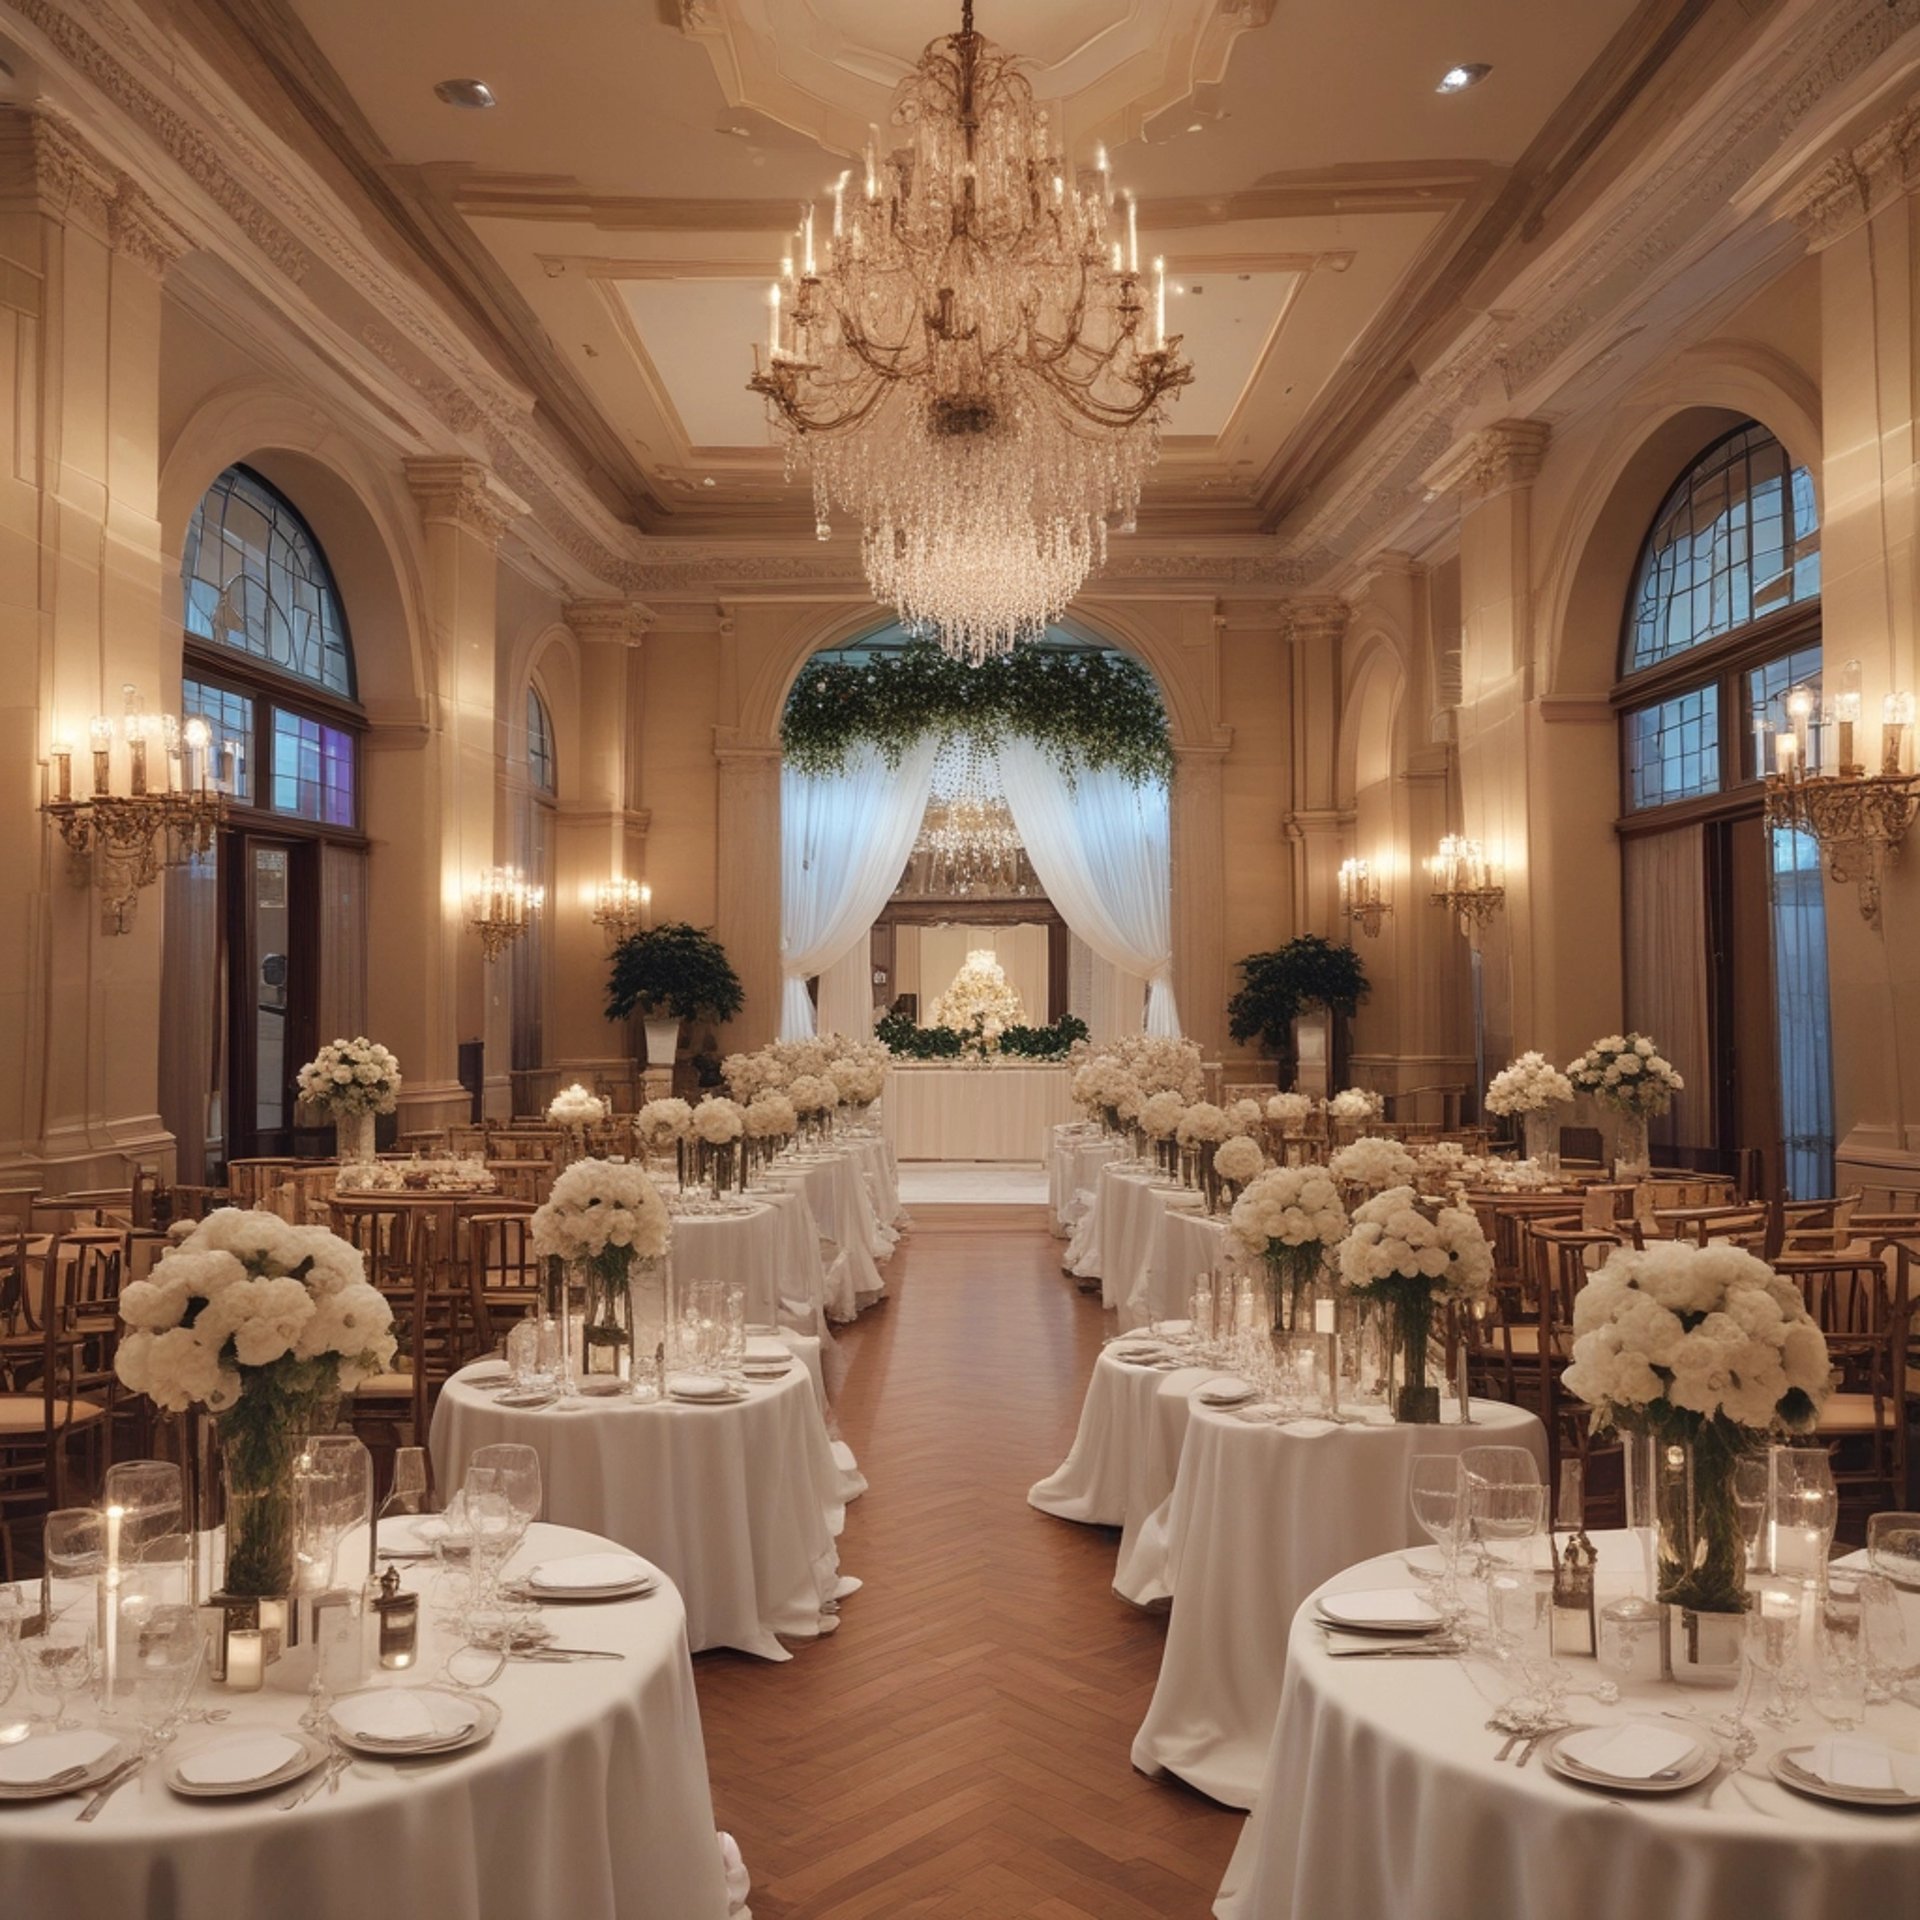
(617,622)
(1320,617)
(45,156)
(1852,186)
(465,494)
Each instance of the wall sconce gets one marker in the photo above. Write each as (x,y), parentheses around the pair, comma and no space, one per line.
(1858,819)
(622,907)
(167,816)
(1361,899)
(502,909)
(1465,881)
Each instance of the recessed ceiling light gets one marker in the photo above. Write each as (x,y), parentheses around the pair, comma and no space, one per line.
(465,93)
(709,481)
(1196,126)
(1179,289)
(1459,79)
(739,133)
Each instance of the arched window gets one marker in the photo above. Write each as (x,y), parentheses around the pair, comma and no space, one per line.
(1724,917)
(541,773)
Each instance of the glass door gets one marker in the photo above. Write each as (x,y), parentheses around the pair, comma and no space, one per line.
(270,988)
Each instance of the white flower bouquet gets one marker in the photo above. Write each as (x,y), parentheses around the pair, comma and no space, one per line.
(1160,1114)
(1203,1124)
(1244,1116)
(1372,1164)
(663,1123)
(745,1075)
(1712,1353)
(351,1077)
(1530,1084)
(574,1106)
(1355,1107)
(1289,1111)
(812,1093)
(771,1117)
(1160,1064)
(1291,1218)
(1407,1257)
(859,1081)
(1236,1161)
(1627,1072)
(602,1217)
(264,1324)
(416,1176)
(717,1122)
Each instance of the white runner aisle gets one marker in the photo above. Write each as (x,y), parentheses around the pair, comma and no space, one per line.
(972,1183)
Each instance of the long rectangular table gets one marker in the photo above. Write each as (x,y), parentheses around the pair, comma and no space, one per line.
(934,1111)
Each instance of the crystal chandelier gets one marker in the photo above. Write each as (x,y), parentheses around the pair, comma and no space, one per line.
(968,837)
(963,361)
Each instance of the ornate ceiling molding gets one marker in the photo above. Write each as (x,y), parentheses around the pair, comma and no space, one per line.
(616,622)
(69,178)
(1498,459)
(1852,186)
(464,494)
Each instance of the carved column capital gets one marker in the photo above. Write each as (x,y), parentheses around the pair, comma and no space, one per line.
(48,165)
(617,622)
(1498,459)
(1320,617)
(1851,186)
(464,493)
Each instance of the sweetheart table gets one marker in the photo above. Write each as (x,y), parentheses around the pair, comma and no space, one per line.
(1260,1514)
(934,1111)
(1380,1794)
(738,1504)
(590,1800)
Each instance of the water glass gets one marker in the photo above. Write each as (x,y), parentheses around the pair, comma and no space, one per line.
(733,1329)
(1433,1492)
(523,1355)
(61,1662)
(1891,1660)
(1773,1644)
(160,1661)
(1893,1547)
(1840,1672)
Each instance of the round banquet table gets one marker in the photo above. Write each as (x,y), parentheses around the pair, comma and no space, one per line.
(590,1800)
(737,1504)
(1381,1795)
(772,1248)
(1123,1459)
(1075,1155)
(842,1207)
(1125,1245)
(1260,1514)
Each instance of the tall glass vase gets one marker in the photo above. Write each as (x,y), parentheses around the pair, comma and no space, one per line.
(260,1437)
(1701,1555)
(1540,1130)
(1417,1403)
(606,1318)
(1632,1157)
(353,1137)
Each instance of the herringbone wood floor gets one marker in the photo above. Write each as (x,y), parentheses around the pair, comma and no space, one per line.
(959,1747)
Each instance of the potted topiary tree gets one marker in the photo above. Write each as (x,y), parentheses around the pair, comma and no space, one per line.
(668,974)
(1282,986)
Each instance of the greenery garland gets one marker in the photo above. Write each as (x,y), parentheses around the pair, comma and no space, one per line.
(909,1042)
(1085,710)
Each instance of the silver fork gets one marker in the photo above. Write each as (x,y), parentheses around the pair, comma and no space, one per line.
(112,1785)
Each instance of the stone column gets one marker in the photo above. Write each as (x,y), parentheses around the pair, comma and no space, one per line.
(1316,824)
(601,835)
(428,989)
(82,255)
(1860,214)
(748,880)
(1198,826)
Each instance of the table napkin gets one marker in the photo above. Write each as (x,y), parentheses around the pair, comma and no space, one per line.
(1344,1646)
(1399,1606)
(589,1570)
(759,1347)
(1864,1766)
(1310,1429)
(40,1759)
(697,1386)
(1632,1751)
(403,1716)
(231,1763)
(1225,1387)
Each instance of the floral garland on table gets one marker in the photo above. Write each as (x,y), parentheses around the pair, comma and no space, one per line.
(1291,1218)
(351,1077)
(574,1106)
(1530,1084)
(1628,1073)
(1355,1107)
(1289,1111)
(1372,1164)
(1709,1349)
(263,1323)
(1402,1257)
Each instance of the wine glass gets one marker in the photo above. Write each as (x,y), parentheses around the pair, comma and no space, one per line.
(1505,1518)
(1433,1492)
(408,1493)
(166,1653)
(1891,1666)
(1773,1644)
(1840,1677)
(62,1663)
(1893,1547)
(516,1471)
(490,1530)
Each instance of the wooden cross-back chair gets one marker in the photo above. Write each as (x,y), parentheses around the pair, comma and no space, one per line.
(504,1273)
(1560,1261)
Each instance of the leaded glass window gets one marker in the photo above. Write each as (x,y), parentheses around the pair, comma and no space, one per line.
(255,580)
(1673,748)
(541,770)
(1737,539)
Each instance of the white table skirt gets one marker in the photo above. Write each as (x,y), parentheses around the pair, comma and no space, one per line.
(937,1112)
(881,1167)
(590,1800)
(1125,1249)
(1381,1795)
(1075,1155)
(737,1504)
(1124,1457)
(752,1249)
(1257,1519)
(1193,1244)
(836,1190)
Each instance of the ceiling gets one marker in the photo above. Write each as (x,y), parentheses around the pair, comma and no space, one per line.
(625,203)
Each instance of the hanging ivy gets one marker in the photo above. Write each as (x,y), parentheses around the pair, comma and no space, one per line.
(1085,711)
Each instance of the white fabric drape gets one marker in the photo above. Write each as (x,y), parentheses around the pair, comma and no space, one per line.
(1664,888)
(1102,850)
(846,993)
(843,843)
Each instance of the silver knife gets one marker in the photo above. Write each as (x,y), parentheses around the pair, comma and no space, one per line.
(112,1785)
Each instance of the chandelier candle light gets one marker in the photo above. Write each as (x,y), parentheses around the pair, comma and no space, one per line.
(966,360)
(502,909)
(1361,899)
(1465,881)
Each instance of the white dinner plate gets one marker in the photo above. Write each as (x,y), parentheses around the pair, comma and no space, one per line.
(697,1386)
(46,1764)
(1689,1770)
(397,1722)
(592,1576)
(1226,1393)
(249,1762)
(1380,1610)
(1796,1768)
(486,1377)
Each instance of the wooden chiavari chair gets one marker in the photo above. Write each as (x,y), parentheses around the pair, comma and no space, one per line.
(529,1181)
(1561,1259)
(504,1273)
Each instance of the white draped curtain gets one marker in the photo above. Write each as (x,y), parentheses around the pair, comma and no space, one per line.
(1101,848)
(844,842)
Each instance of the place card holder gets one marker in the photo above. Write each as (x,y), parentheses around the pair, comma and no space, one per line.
(1575,1626)
(270,1625)
(398,1616)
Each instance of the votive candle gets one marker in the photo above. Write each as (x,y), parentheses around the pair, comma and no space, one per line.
(246,1660)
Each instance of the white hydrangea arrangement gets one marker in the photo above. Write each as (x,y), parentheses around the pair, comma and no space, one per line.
(1289,1110)
(1628,1072)
(745,1075)
(605,1212)
(771,1117)
(1238,1160)
(859,1081)
(812,1093)
(1202,1124)
(1159,1064)
(1530,1084)
(980,997)
(1291,1218)
(1355,1107)
(1709,1349)
(1406,1258)
(1244,1116)
(1160,1114)
(663,1123)
(1373,1164)
(349,1077)
(574,1106)
(717,1122)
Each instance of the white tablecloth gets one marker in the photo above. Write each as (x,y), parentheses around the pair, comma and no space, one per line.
(737,1504)
(1258,1518)
(836,1189)
(881,1169)
(590,1800)
(1075,1155)
(773,1250)
(1123,1245)
(1123,1460)
(1381,1795)
(938,1112)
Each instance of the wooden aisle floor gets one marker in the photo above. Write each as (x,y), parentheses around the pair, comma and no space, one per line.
(960,1746)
